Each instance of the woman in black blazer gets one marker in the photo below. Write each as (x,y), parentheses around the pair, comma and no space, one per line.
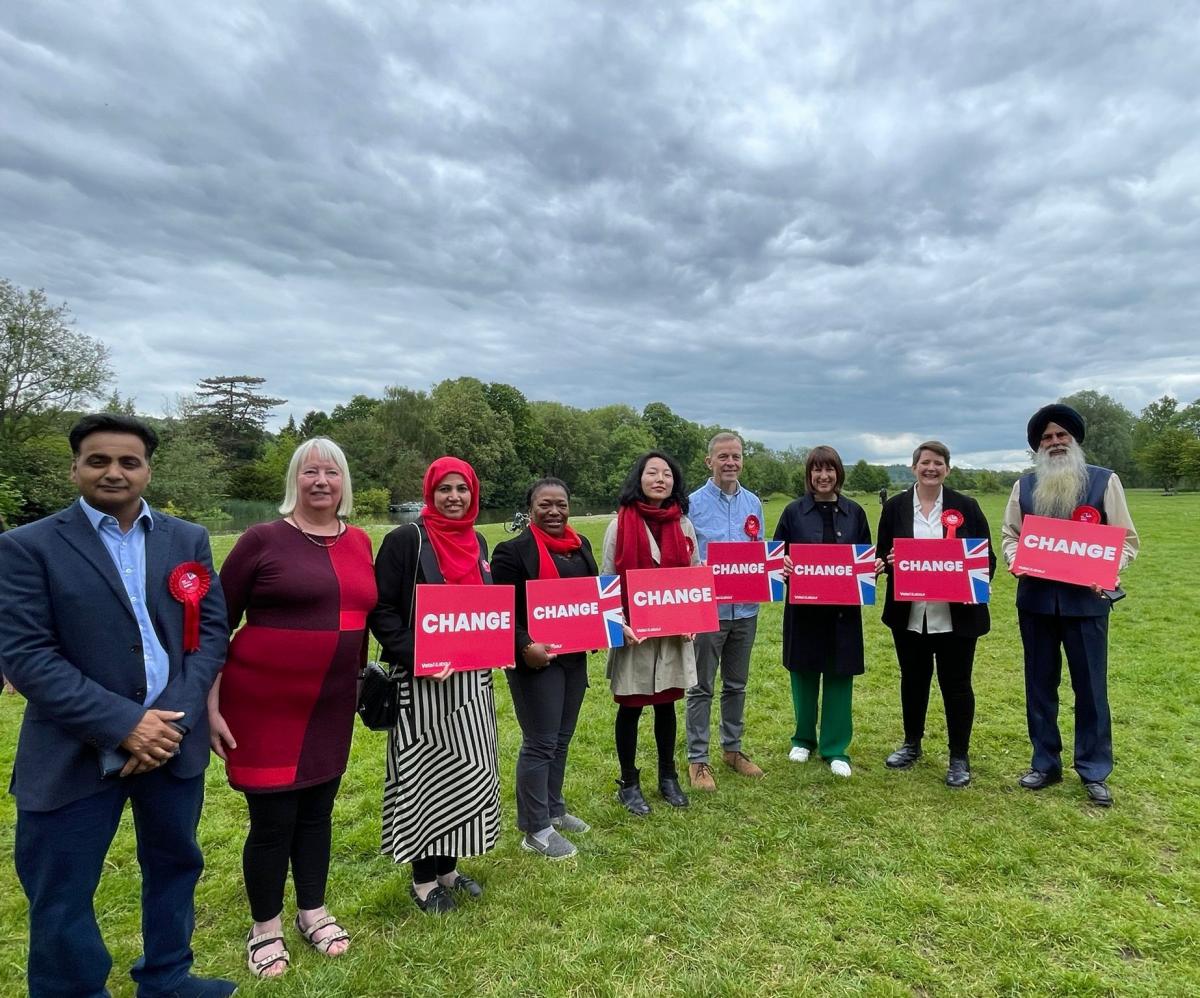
(925,632)
(547,689)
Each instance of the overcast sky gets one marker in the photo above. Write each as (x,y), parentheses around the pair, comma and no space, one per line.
(858,223)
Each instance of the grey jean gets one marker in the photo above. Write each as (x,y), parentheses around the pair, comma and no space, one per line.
(729,649)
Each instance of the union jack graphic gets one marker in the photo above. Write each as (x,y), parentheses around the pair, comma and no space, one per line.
(775,572)
(975,559)
(864,566)
(609,588)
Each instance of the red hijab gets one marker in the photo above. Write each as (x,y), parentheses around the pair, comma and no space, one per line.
(454,541)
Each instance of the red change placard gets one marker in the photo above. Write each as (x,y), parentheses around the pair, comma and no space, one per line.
(665,601)
(949,570)
(747,571)
(569,615)
(465,627)
(1083,554)
(838,574)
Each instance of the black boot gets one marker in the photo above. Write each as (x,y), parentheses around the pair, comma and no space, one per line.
(904,756)
(629,793)
(959,773)
(671,792)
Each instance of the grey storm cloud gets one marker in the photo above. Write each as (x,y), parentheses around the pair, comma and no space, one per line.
(854,223)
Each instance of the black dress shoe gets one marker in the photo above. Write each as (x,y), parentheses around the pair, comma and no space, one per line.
(904,756)
(467,886)
(959,772)
(437,902)
(630,794)
(671,792)
(1035,779)
(1098,793)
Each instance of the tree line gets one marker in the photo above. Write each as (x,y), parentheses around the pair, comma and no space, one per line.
(215,445)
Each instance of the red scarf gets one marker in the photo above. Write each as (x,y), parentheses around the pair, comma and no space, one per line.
(633,546)
(559,545)
(454,541)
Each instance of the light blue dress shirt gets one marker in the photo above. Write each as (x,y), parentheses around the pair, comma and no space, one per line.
(128,553)
(720,517)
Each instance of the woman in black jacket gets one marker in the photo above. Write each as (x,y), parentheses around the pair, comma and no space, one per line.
(929,632)
(823,645)
(547,689)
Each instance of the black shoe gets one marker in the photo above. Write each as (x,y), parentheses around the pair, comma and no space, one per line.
(1035,779)
(197,987)
(1098,793)
(466,885)
(437,902)
(671,792)
(959,773)
(904,756)
(630,794)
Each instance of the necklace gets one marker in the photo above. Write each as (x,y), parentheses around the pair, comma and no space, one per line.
(328,541)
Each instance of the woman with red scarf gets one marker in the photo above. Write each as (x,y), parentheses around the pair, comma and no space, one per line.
(547,689)
(650,531)
(441,797)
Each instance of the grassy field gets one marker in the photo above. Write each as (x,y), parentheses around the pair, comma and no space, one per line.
(884,884)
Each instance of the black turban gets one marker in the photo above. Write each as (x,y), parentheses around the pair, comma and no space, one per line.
(1063,415)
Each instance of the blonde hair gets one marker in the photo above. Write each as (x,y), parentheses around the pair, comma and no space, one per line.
(325,450)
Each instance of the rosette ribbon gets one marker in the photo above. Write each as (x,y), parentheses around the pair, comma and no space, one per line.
(752,527)
(1086,514)
(188,583)
(952,519)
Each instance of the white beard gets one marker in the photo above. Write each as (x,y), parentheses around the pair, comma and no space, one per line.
(1059,482)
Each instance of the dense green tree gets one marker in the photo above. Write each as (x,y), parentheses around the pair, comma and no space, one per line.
(234,411)
(190,474)
(864,477)
(1165,458)
(45,472)
(681,438)
(471,429)
(314,424)
(11,501)
(1109,438)
(46,367)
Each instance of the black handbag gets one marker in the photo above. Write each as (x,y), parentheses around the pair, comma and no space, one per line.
(378,698)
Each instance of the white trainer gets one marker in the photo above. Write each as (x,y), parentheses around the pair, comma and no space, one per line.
(840,767)
(799,754)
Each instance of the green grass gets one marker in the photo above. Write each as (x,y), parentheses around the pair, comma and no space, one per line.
(885,884)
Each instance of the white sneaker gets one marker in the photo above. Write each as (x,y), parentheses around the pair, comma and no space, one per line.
(799,754)
(840,767)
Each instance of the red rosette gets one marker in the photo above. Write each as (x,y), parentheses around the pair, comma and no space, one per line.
(952,519)
(1086,514)
(752,527)
(189,583)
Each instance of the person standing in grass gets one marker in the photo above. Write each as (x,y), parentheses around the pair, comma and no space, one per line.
(823,645)
(722,510)
(927,632)
(113,627)
(547,689)
(650,531)
(281,713)
(442,793)
(1054,616)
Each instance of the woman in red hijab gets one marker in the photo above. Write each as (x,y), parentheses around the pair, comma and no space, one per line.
(442,794)
(650,531)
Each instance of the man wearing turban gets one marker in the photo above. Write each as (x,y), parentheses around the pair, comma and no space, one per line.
(1054,616)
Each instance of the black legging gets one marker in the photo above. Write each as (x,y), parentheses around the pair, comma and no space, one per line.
(954,656)
(429,869)
(289,824)
(664,739)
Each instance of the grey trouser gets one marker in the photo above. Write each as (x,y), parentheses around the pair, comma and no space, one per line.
(729,648)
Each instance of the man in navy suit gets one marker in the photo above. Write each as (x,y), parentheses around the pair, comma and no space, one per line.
(94,639)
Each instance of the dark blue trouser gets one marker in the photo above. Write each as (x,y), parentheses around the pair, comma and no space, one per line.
(1085,641)
(59,857)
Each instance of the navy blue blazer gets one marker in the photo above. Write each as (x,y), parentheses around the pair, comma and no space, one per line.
(71,645)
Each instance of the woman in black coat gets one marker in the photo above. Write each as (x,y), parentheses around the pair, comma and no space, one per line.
(929,632)
(547,689)
(823,645)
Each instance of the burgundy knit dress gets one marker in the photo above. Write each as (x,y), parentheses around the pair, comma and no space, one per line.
(289,686)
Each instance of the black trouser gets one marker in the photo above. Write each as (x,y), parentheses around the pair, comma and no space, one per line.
(294,825)
(427,870)
(547,703)
(665,726)
(955,656)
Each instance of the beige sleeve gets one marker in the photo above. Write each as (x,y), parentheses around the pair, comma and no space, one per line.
(1116,509)
(608,555)
(1010,529)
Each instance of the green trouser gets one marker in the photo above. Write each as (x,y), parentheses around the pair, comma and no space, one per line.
(837,728)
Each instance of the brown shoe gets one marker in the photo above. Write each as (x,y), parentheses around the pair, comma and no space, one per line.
(700,775)
(740,763)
